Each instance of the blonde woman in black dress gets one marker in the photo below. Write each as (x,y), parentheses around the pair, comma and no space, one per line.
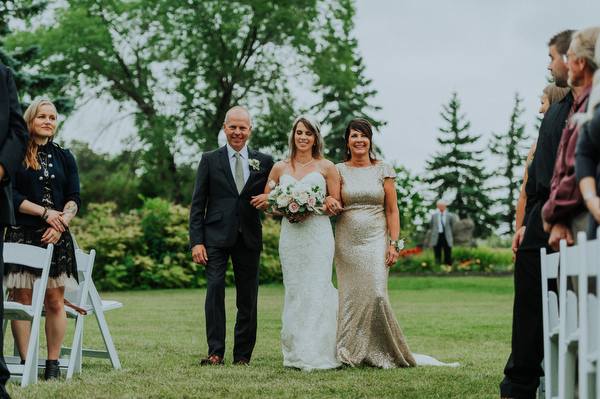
(46,198)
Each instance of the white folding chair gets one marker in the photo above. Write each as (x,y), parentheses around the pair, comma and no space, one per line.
(79,298)
(39,258)
(589,320)
(549,270)
(89,300)
(568,338)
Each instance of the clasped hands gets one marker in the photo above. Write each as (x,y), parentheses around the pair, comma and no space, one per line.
(57,226)
(331,206)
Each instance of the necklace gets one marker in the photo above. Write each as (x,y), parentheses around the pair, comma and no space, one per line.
(44,163)
(303,165)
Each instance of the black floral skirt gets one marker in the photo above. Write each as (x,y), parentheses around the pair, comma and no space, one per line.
(63,269)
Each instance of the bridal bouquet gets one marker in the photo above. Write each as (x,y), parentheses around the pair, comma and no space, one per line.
(295,198)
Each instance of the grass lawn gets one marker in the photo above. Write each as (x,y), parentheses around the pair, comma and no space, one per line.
(160,338)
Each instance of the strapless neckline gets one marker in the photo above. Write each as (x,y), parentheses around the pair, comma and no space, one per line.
(304,177)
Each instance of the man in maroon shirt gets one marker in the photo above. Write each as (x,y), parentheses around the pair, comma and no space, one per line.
(564,213)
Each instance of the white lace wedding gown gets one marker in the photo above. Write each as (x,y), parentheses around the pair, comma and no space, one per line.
(311,302)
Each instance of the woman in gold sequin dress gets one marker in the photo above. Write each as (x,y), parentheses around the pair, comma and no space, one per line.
(366,244)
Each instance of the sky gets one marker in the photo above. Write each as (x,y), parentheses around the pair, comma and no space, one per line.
(418,53)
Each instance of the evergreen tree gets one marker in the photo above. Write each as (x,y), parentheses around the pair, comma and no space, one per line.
(512,148)
(24,62)
(458,172)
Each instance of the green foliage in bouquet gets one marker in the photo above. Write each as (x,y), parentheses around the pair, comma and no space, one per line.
(148,248)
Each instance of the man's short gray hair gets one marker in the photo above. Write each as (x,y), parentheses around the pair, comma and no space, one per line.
(238,107)
(584,46)
(441,202)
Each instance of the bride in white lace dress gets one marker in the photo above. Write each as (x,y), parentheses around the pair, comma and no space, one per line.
(306,250)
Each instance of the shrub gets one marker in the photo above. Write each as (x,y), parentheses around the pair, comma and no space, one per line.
(149,247)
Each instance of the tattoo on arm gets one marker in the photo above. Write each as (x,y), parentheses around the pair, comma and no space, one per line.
(70,210)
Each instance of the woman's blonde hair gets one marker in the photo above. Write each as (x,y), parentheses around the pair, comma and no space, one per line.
(31,160)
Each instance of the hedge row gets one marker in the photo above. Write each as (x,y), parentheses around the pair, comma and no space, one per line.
(149,248)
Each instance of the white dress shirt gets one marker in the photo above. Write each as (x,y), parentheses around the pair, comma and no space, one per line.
(441,218)
(243,157)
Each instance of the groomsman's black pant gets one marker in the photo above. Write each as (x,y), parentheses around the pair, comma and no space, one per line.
(523,369)
(437,250)
(245,269)
(4,373)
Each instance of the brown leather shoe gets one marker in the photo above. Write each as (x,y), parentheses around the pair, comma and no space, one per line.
(212,360)
(241,363)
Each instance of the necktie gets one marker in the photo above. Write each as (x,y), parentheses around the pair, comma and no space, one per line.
(239,173)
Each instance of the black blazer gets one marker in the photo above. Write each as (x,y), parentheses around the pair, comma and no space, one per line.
(13,142)
(218,210)
(587,159)
(64,182)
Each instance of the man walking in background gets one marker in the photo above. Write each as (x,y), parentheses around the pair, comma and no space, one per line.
(442,226)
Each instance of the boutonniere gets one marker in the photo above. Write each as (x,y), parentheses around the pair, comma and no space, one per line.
(255,163)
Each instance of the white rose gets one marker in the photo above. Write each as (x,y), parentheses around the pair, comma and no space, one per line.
(283,200)
(302,197)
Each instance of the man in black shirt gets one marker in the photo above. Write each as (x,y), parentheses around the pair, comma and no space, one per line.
(523,368)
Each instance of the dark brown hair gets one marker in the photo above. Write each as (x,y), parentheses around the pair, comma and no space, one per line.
(363,126)
(562,41)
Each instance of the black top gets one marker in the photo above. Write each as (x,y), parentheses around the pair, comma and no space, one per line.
(587,159)
(542,169)
(587,155)
(28,184)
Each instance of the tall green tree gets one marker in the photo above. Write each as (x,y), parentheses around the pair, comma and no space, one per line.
(181,64)
(30,79)
(457,171)
(341,79)
(512,148)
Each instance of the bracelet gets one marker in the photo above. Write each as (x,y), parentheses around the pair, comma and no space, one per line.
(398,244)
(588,196)
(43,217)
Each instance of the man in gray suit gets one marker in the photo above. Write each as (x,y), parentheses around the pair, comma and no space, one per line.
(224,223)
(13,142)
(441,225)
